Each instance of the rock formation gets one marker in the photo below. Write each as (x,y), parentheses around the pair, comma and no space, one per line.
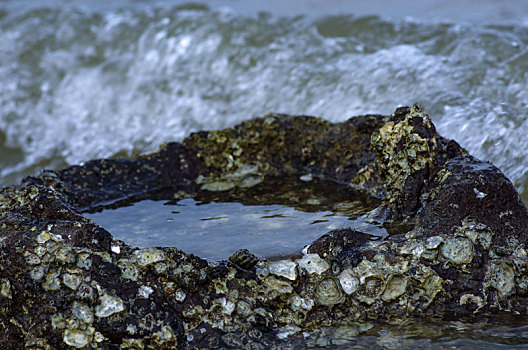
(459,244)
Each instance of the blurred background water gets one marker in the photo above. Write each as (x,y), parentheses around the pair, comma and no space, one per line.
(84,79)
(90,79)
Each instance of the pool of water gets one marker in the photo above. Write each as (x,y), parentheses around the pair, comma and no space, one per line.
(278,217)
(215,230)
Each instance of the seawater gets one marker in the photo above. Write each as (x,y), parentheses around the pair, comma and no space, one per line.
(91,79)
(215,230)
(277,217)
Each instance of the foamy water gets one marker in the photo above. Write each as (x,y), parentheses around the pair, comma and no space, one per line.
(80,81)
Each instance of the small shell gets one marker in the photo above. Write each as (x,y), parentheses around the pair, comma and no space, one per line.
(500,276)
(244,259)
(108,306)
(396,286)
(313,264)
(329,291)
(76,338)
(218,186)
(458,250)
(348,281)
(147,256)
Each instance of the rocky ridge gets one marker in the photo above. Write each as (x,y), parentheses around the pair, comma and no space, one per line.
(66,283)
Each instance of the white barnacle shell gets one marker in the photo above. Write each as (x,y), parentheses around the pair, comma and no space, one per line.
(500,276)
(283,268)
(149,256)
(479,194)
(52,281)
(433,242)
(218,186)
(396,285)
(278,285)
(32,259)
(313,264)
(83,312)
(128,269)
(299,303)
(180,296)
(145,291)
(458,250)
(5,288)
(43,237)
(71,280)
(348,281)
(77,338)
(108,305)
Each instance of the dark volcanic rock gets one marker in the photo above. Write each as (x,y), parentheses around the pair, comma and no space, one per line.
(66,283)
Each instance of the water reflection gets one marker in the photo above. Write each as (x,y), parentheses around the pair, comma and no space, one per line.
(275,218)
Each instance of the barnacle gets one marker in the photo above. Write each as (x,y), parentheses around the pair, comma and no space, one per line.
(329,291)
(500,276)
(244,258)
(395,286)
(458,250)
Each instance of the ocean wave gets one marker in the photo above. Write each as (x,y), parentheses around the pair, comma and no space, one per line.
(79,83)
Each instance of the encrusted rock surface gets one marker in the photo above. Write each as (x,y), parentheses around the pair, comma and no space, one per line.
(65,283)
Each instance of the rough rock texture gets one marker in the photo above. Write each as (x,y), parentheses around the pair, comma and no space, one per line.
(65,283)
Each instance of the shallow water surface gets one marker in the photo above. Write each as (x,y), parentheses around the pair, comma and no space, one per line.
(277,217)
(214,230)
(478,333)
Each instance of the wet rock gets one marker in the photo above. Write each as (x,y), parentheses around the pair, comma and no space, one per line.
(461,246)
(335,242)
